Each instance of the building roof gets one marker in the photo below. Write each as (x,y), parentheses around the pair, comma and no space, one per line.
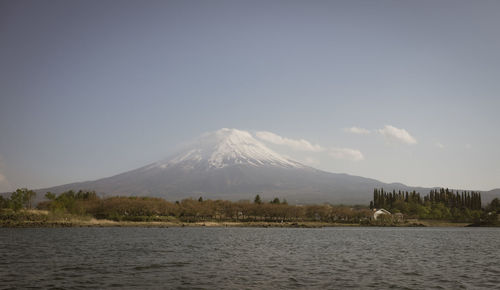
(380,212)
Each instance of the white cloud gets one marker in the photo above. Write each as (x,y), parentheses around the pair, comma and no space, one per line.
(304,145)
(468,146)
(346,153)
(439,145)
(357,130)
(297,144)
(396,134)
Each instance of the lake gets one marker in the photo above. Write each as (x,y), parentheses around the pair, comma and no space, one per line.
(252,258)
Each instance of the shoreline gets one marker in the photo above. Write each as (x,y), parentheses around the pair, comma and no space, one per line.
(46,219)
(110,223)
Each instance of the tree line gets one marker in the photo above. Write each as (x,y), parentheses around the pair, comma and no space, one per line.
(452,199)
(438,204)
(19,199)
(134,208)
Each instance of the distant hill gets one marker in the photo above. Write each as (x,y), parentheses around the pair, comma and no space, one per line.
(488,196)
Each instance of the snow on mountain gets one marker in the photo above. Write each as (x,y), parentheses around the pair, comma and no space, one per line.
(226,147)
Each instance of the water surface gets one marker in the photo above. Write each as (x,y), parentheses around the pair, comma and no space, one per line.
(253,258)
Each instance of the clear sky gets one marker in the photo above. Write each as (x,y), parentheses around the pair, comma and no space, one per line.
(400,91)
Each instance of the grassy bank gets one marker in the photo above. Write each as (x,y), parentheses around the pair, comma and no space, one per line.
(41,218)
(109,223)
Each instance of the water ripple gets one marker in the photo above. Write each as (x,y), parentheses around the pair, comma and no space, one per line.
(250,258)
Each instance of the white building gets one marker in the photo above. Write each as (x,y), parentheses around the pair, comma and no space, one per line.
(380,212)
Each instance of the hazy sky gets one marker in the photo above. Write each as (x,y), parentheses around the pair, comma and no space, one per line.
(400,91)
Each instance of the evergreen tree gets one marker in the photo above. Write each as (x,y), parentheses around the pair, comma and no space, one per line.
(441,204)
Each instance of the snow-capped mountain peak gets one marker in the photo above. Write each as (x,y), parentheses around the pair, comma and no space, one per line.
(231,164)
(227,147)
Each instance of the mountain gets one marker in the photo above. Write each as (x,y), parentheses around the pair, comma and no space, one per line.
(231,164)
(488,196)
